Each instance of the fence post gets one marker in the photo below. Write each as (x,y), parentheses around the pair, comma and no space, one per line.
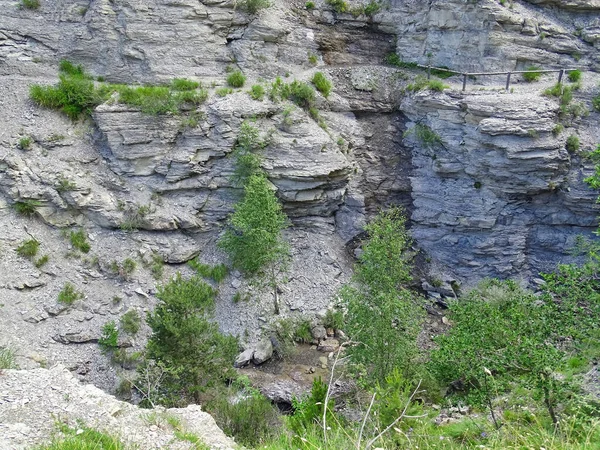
(508,80)
(429,72)
(464,81)
(560,75)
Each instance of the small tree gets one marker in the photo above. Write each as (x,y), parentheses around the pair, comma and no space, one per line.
(186,342)
(253,238)
(383,315)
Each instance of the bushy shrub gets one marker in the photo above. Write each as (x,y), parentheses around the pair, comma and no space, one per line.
(339,6)
(425,135)
(109,338)
(183,84)
(26,207)
(79,241)
(68,295)
(152,100)
(596,102)
(131,322)
(25,143)
(575,76)
(254,6)
(437,85)
(532,74)
(572,144)
(30,4)
(28,249)
(216,273)
(236,79)
(257,92)
(322,84)
(309,5)
(7,359)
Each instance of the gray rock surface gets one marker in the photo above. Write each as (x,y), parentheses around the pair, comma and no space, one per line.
(263,351)
(32,400)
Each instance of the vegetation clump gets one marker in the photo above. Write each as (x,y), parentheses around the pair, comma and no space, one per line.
(30,4)
(322,84)
(216,273)
(82,439)
(575,76)
(130,322)
(532,74)
(26,207)
(425,135)
(254,6)
(257,92)
(25,143)
(572,144)
(236,79)
(28,249)
(69,294)
(79,241)
(339,6)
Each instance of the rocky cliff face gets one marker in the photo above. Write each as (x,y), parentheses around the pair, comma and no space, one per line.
(498,196)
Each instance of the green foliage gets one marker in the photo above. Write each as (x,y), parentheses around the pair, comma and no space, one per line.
(30,4)
(575,76)
(372,8)
(25,143)
(425,135)
(333,319)
(26,207)
(68,295)
(185,340)
(246,153)
(254,6)
(257,92)
(339,6)
(322,84)
(82,439)
(223,92)
(157,267)
(216,273)
(572,145)
(422,82)
(253,237)
(236,79)
(7,359)
(28,249)
(532,74)
(125,269)
(596,102)
(437,85)
(252,420)
(79,241)
(183,84)
(42,261)
(309,5)
(64,185)
(309,411)
(302,94)
(75,94)
(382,314)
(131,322)
(109,338)
(153,100)
(395,60)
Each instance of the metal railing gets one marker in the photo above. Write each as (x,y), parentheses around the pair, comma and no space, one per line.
(466,75)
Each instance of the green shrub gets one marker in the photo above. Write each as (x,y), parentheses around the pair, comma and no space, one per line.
(236,79)
(157,267)
(372,8)
(28,249)
(190,97)
(64,185)
(257,92)
(572,144)
(254,6)
(309,411)
(322,84)
(309,5)
(532,74)
(339,6)
(187,342)
(79,241)
(68,295)
(302,94)
(30,4)
(437,85)
(42,261)
(313,59)
(596,102)
(25,143)
(575,76)
(130,322)
(425,135)
(216,273)
(419,83)
(223,92)
(183,84)
(109,338)
(26,207)
(333,319)
(252,420)
(7,359)
(395,60)
(68,68)
(153,100)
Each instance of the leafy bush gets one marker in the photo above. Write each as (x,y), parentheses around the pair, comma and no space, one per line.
(575,76)
(301,94)
(183,84)
(28,249)
(532,74)
(26,207)
(79,241)
(30,4)
(246,153)
(68,295)
(252,420)
(382,314)
(25,143)
(322,84)
(109,338)
(131,322)
(254,6)
(236,79)
(372,8)
(185,340)
(339,6)
(572,144)
(309,5)
(257,92)
(333,319)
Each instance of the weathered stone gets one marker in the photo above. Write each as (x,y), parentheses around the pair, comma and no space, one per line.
(263,351)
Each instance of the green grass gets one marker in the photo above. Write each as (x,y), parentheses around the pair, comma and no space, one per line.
(236,79)
(339,6)
(28,249)
(7,359)
(257,92)
(79,241)
(63,184)
(82,439)
(309,5)
(425,135)
(224,91)
(69,295)
(216,273)
(30,4)
(130,322)
(437,85)
(596,102)
(42,261)
(25,143)
(157,267)
(533,74)
(182,84)
(575,76)
(109,339)
(572,145)
(322,84)
(27,207)
(254,6)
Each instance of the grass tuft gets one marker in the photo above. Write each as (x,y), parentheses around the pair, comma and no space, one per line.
(236,79)
(322,84)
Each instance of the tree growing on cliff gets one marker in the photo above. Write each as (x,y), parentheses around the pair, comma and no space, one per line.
(383,315)
(253,238)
